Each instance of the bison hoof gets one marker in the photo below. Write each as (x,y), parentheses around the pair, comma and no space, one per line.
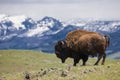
(83,65)
(63,61)
(74,64)
(95,64)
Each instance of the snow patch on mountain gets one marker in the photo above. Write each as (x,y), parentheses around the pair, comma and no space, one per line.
(33,32)
(48,23)
(15,21)
(15,24)
(7,37)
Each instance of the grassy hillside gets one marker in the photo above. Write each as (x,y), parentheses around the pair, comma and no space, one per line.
(16,65)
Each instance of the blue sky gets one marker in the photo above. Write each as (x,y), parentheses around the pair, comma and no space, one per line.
(62,9)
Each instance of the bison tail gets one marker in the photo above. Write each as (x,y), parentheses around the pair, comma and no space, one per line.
(107,38)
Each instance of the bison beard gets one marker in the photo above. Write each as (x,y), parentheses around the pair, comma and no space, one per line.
(79,44)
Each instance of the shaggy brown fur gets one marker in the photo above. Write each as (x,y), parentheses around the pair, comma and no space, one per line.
(73,36)
(88,43)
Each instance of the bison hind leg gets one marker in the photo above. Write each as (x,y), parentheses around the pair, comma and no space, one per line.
(103,61)
(99,58)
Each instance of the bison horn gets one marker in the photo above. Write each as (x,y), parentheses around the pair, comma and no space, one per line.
(62,42)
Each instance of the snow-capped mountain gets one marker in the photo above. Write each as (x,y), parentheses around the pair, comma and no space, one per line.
(96,25)
(21,32)
(14,24)
(46,26)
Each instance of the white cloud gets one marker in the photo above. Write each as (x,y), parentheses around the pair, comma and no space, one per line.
(105,9)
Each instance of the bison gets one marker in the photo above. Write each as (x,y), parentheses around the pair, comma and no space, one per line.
(80,44)
(62,51)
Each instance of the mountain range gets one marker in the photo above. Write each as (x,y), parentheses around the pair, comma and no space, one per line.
(22,32)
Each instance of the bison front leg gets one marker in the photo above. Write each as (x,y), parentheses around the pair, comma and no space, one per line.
(76,60)
(99,58)
(84,59)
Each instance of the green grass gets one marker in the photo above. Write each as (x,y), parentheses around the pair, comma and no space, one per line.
(14,64)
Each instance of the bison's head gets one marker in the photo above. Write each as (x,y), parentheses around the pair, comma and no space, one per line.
(61,50)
